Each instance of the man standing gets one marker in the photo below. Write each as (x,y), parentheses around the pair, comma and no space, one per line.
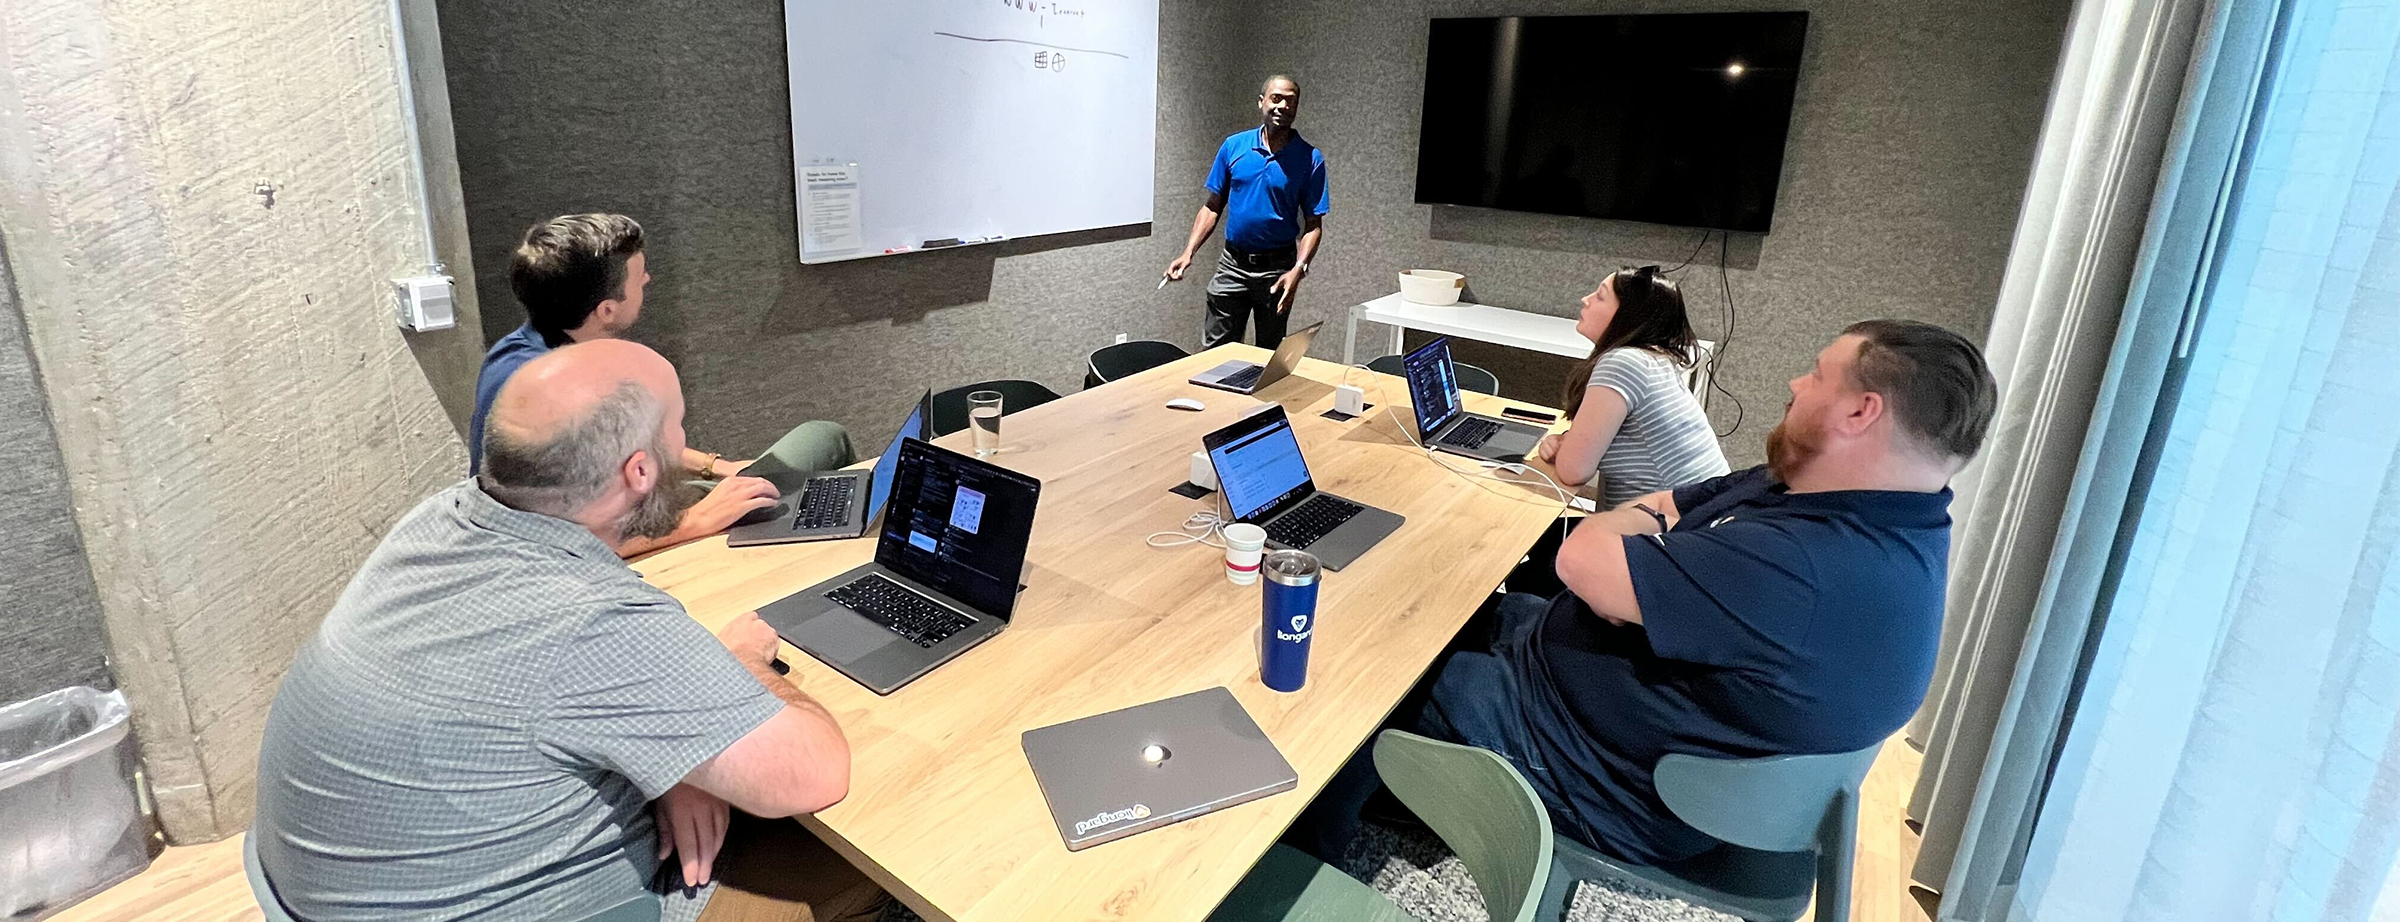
(500,720)
(581,278)
(1269,185)
(1791,608)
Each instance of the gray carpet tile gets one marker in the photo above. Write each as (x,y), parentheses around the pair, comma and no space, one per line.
(1421,875)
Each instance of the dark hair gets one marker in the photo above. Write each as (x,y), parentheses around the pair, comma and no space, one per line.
(566,266)
(1940,391)
(1649,316)
(1270,81)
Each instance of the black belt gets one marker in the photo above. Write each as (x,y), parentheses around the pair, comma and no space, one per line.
(1254,259)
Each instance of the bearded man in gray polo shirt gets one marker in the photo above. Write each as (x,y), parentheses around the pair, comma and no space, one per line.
(500,719)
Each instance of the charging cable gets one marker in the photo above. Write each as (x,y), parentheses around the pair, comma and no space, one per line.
(1202,527)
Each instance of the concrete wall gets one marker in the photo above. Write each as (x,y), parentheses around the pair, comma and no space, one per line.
(203,204)
(1911,139)
(49,617)
(684,123)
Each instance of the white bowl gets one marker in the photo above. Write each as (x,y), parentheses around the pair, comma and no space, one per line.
(1431,286)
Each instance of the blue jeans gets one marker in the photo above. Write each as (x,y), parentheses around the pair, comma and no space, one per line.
(1473,699)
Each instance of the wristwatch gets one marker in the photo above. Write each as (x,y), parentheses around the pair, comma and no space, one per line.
(1655,516)
(708,468)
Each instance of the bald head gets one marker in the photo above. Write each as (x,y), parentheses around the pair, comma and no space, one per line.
(565,430)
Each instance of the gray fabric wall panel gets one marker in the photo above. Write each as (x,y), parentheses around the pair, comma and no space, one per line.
(49,616)
(678,114)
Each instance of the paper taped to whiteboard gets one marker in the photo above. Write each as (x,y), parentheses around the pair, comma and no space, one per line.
(829,209)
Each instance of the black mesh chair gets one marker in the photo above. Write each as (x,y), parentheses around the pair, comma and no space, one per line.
(1127,359)
(950,406)
(1470,378)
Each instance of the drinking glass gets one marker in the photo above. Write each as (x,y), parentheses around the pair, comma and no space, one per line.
(983,418)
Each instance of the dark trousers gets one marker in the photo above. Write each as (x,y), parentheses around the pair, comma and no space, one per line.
(1473,698)
(1239,291)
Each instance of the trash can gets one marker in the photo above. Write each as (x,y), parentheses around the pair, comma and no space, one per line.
(71,821)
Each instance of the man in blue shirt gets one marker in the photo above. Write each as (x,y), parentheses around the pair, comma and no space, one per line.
(1268,184)
(1791,608)
(581,277)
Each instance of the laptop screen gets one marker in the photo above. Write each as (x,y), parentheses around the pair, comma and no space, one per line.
(1432,386)
(1258,463)
(889,465)
(959,525)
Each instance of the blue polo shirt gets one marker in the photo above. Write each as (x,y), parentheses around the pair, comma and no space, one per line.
(520,346)
(1265,193)
(1772,623)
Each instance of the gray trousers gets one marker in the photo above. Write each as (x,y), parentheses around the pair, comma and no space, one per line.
(1239,292)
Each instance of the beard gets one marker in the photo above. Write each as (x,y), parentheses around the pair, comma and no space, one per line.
(1790,448)
(660,510)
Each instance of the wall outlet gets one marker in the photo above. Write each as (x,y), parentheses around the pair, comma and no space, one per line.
(423,303)
(1120,337)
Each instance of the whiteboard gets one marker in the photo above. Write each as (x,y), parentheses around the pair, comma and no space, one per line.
(922,124)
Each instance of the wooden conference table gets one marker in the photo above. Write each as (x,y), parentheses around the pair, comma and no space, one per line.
(944,812)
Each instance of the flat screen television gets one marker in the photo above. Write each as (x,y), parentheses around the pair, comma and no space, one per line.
(1666,119)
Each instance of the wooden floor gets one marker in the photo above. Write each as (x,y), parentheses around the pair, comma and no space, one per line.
(204,883)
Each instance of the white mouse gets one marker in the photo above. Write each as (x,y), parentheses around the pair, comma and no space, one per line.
(1186,403)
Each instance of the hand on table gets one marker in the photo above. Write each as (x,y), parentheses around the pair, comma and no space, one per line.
(691,826)
(752,641)
(729,500)
(1548,449)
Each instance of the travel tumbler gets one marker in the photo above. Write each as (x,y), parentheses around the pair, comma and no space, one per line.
(1291,609)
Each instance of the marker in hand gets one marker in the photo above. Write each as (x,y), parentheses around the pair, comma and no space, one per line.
(1162,283)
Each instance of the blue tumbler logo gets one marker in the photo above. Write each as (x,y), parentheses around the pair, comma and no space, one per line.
(1291,613)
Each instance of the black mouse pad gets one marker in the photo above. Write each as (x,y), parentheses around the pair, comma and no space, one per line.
(1188,488)
(1341,417)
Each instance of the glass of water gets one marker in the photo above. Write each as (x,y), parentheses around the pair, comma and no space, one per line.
(983,418)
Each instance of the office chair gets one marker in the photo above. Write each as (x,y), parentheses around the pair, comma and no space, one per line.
(950,406)
(1108,363)
(1789,823)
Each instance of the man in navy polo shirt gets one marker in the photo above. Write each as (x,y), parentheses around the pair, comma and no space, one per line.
(1790,608)
(1269,185)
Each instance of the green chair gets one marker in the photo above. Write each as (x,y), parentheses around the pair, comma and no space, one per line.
(638,909)
(1789,823)
(1473,799)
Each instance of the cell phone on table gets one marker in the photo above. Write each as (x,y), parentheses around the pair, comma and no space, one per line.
(1531,416)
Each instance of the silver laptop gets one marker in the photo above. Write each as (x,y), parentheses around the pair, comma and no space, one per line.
(1104,781)
(829,505)
(1265,482)
(1249,377)
(1442,422)
(944,579)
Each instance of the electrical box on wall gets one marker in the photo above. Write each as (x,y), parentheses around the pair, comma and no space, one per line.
(424,303)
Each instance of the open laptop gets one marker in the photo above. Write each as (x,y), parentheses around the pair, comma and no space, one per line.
(1265,482)
(832,504)
(1443,423)
(1250,377)
(944,579)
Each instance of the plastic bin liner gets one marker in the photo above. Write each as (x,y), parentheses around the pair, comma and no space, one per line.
(71,823)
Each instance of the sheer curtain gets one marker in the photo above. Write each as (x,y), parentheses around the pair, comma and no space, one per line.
(2236,751)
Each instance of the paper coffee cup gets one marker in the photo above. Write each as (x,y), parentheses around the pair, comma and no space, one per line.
(1244,545)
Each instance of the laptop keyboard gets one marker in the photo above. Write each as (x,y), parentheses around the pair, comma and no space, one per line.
(1471,432)
(1317,517)
(824,503)
(923,621)
(1245,377)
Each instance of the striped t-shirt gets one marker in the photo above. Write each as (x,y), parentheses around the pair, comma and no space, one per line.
(1666,441)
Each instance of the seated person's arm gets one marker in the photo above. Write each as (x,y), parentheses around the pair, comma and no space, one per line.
(797,762)
(1582,445)
(1628,519)
(1591,562)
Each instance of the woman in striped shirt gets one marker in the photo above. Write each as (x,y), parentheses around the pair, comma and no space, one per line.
(1634,422)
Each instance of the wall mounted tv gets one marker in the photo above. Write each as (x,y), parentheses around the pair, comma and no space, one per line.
(1666,119)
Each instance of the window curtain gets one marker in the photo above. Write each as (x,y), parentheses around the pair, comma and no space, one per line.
(2236,750)
(2125,176)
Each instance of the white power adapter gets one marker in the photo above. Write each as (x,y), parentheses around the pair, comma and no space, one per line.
(423,303)
(1349,401)
(1204,474)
